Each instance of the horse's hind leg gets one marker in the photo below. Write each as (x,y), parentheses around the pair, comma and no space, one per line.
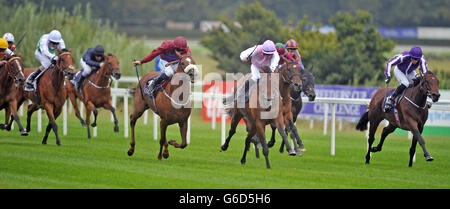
(73,100)
(137,113)
(52,121)
(95,112)
(372,130)
(386,131)
(163,141)
(31,109)
(272,138)
(13,110)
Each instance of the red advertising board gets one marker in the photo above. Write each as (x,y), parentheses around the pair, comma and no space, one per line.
(218,87)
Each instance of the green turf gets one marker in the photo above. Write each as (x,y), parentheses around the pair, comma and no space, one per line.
(102,162)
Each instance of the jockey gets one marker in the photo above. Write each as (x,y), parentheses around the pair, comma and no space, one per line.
(45,53)
(404,71)
(9,37)
(92,60)
(169,51)
(282,52)
(3,51)
(264,55)
(292,48)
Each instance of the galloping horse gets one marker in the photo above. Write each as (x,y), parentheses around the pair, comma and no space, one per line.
(96,92)
(50,93)
(166,104)
(12,77)
(412,114)
(291,78)
(297,103)
(253,116)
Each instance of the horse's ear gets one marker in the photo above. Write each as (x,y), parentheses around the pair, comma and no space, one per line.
(312,67)
(19,54)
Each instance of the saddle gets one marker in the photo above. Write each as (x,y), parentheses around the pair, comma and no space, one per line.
(397,99)
(152,92)
(76,78)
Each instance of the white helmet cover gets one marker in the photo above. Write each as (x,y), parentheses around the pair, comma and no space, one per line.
(55,36)
(9,37)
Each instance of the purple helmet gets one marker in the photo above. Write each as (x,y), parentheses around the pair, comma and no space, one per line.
(415,52)
(268,47)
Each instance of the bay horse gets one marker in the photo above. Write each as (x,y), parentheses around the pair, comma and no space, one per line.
(96,92)
(50,93)
(412,114)
(253,114)
(167,103)
(297,103)
(12,78)
(291,78)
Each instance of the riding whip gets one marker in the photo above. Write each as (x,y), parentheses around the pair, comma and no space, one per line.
(139,83)
(21,39)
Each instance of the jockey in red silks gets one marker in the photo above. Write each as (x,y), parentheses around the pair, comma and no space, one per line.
(169,51)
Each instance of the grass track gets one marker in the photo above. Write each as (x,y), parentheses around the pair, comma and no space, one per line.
(102,162)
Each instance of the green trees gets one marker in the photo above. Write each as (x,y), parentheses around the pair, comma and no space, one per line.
(351,55)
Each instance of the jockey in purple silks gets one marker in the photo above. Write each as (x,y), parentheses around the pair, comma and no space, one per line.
(406,64)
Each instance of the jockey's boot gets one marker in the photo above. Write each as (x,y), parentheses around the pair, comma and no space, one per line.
(157,81)
(30,80)
(390,101)
(79,83)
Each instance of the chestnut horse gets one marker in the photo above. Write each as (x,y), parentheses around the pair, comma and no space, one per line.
(291,78)
(167,104)
(412,114)
(12,78)
(96,92)
(50,93)
(276,104)
(297,103)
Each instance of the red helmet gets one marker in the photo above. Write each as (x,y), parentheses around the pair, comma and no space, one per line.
(180,43)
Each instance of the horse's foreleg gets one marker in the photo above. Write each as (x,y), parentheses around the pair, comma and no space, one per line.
(295,136)
(262,140)
(250,134)
(163,141)
(372,130)
(419,138)
(52,122)
(279,124)
(13,111)
(30,110)
(89,108)
(272,138)
(113,111)
(183,131)
(73,100)
(6,126)
(95,111)
(234,123)
(137,113)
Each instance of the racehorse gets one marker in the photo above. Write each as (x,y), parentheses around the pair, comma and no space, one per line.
(50,93)
(167,103)
(297,103)
(412,113)
(96,92)
(278,101)
(291,79)
(12,77)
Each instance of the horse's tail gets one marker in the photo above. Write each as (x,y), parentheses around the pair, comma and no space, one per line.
(362,124)
(132,91)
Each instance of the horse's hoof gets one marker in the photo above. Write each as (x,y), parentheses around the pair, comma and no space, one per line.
(243,161)
(83,125)
(116,129)
(58,143)
(299,154)
(270,144)
(292,153)
(94,124)
(44,143)
(224,148)
(130,153)
(2,126)
(429,158)
(24,133)
(165,155)
(172,142)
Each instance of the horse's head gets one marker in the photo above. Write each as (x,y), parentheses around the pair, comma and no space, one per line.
(65,62)
(187,65)
(430,83)
(15,69)
(112,64)
(291,73)
(308,83)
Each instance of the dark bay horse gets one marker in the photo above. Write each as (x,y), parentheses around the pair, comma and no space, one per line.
(96,92)
(172,103)
(412,115)
(51,94)
(253,114)
(297,103)
(291,78)
(12,78)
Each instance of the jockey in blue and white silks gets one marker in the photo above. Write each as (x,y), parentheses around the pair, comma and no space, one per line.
(405,65)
